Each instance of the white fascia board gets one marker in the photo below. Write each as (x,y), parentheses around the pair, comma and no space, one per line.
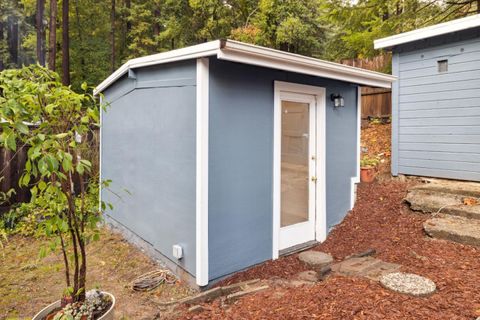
(428,32)
(193,52)
(270,58)
(260,56)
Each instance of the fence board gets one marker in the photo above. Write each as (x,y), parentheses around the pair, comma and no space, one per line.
(376,102)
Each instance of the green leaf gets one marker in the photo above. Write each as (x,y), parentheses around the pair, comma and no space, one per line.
(61,135)
(66,164)
(42,185)
(23,128)
(10,142)
(80,169)
(84,86)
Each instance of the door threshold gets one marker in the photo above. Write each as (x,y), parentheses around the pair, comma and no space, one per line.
(298,248)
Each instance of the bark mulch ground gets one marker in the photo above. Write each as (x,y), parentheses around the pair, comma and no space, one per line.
(381,221)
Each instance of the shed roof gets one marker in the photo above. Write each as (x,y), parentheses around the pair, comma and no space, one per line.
(428,32)
(260,56)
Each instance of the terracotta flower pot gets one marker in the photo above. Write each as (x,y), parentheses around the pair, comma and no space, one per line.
(109,315)
(367,174)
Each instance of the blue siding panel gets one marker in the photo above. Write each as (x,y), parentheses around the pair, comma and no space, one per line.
(241,161)
(439,112)
(148,148)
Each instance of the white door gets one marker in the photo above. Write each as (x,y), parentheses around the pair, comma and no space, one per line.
(298,176)
(297,139)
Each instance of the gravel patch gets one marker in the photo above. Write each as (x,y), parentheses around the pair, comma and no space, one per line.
(408,283)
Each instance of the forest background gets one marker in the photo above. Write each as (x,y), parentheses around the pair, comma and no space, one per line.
(86,40)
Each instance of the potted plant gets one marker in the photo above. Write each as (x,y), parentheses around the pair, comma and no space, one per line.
(53,122)
(367,169)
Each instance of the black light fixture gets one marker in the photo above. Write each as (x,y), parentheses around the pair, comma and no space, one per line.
(337,99)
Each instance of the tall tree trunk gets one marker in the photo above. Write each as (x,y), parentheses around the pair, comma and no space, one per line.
(12,37)
(156,23)
(128,5)
(2,65)
(52,36)
(112,36)
(40,25)
(65,44)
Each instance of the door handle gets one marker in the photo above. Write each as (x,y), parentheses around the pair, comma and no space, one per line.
(314,179)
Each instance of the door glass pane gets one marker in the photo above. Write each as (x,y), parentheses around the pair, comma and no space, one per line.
(294,169)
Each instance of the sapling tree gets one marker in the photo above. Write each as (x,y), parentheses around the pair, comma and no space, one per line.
(53,122)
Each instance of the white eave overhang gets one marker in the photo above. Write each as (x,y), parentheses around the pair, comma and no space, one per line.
(235,51)
(428,32)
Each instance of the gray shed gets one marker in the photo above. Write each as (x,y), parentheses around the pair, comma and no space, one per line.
(232,154)
(436,100)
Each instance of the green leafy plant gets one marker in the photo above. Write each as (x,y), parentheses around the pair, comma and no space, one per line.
(53,121)
(367,162)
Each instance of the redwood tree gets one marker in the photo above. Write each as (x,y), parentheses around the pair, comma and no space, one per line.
(65,44)
(52,36)
(40,26)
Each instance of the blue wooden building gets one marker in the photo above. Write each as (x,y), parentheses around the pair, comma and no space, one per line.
(436,100)
(232,154)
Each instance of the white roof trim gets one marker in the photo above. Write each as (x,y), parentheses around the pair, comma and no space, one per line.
(255,55)
(428,32)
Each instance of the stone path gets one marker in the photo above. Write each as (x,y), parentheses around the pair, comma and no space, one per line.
(388,274)
(453,219)
(408,283)
(367,267)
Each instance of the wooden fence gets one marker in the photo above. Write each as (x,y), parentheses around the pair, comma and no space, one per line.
(376,102)
(12,166)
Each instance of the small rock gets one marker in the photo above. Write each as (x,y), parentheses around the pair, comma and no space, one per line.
(315,259)
(408,283)
(310,276)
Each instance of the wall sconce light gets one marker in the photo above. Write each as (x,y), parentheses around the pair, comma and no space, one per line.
(337,99)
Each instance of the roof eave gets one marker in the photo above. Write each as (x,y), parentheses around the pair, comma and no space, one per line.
(389,43)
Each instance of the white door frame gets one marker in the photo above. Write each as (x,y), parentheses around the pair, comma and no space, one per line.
(320,195)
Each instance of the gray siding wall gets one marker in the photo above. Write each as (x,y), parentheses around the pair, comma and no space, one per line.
(437,122)
(241,160)
(148,148)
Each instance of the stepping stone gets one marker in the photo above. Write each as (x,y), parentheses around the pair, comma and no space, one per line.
(408,283)
(309,276)
(430,201)
(457,229)
(463,188)
(367,267)
(315,259)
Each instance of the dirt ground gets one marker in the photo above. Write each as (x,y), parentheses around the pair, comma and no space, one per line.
(380,221)
(28,284)
(376,143)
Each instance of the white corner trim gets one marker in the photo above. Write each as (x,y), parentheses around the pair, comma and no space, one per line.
(355,180)
(202,122)
(429,32)
(321,215)
(100,157)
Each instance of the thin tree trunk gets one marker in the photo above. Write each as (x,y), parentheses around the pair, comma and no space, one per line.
(2,65)
(156,24)
(12,35)
(65,44)
(128,5)
(40,25)
(52,38)
(112,36)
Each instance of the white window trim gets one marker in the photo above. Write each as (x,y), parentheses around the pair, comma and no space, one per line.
(321,216)
(202,123)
